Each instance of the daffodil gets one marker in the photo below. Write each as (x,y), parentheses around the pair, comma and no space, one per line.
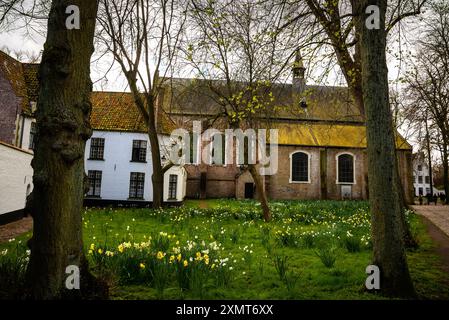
(142,266)
(121,248)
(160,255)
(186,263)
(92,247)
(109,253)
(100,251)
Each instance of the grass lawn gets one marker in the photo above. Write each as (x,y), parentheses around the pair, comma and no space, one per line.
(222,249)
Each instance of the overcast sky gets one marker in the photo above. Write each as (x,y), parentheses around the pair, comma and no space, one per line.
(16,40)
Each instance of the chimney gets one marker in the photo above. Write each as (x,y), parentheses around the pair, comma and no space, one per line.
(299,81)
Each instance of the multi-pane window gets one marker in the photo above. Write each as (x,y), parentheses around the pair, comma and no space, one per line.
(218,146)
(420,191)
(419,179)
(136,185)
(172,186)
(33,131)
(139,151)
(427,179)
(419,167)
(193,154)
(427,190)
(300,167)
(345,168)
(96,149)
(94,177)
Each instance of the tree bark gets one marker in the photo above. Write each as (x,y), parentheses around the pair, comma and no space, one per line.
(446,171)
(63,127)
(158,174)
(407,236)
(429,156)
(261,194)
(388,248)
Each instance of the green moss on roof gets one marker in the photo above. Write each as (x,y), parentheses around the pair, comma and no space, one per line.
(327,135)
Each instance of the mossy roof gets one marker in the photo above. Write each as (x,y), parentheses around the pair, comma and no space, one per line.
(327,135)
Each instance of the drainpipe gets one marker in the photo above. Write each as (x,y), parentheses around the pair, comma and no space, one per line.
(21,131)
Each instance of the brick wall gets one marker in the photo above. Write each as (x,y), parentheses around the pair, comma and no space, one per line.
(279,186)
(225,182)
(220,181)
(9,108)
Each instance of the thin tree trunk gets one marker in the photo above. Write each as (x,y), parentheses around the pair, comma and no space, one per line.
(158,175)
(262,195)
(63,127)
(446,171)
(429,155)
(407,236)
(388,248)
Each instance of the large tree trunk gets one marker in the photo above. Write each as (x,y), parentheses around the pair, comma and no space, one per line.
(389,253)
(262,195)
(63,127)
(353,75)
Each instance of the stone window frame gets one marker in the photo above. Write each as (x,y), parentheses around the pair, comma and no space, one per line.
(309,166)
(354,157)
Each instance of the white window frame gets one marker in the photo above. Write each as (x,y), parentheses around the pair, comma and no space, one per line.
(353,166)
(211,147)
(309,167)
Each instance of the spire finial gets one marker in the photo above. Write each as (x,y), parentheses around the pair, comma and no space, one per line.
(298,65)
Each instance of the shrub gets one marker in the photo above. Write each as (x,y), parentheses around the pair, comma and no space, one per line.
(308,240)
(265,235)
(352,243)
(327,255)
(198,276)
(286,238)
(160,242)
(13,265)
(281,265)
(160,270)
(235,235)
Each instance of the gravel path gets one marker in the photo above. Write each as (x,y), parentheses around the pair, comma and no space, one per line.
(438,215)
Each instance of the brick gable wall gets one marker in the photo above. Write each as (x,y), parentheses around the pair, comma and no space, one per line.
(9,110)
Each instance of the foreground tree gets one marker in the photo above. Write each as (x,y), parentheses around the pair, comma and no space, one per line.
(336,21)
(388,248)
(63,113)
